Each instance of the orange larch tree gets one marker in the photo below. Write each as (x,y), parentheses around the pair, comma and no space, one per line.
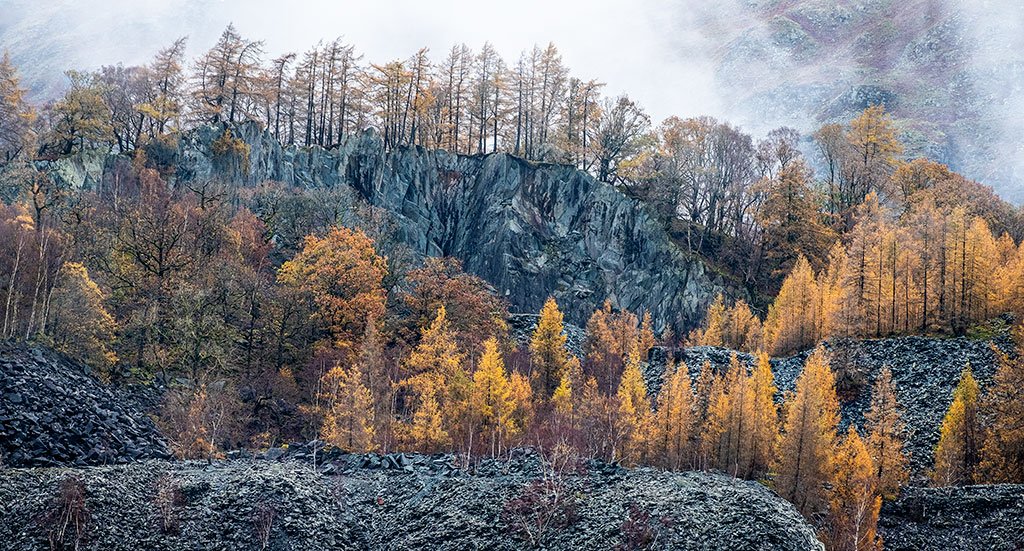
(1002,456)
(886,435)
(956,454)
(804,461)
(548,355)
(673,420)
(853,502)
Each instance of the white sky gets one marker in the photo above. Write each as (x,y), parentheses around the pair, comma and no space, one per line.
(632,46)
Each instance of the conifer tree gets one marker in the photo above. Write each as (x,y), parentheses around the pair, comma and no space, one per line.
(736,408)
(764,422)
(673,421)
(713,425)
(16,117)
(791,323)
(521,394)
(853,503)
(1002,456)
(547,350)
(886,434)
(634,409)
(566,395)
(743,329)
(646,336)
(804,461)
(492,400)
(705,387)
(714,324)
(956,455)
(427,431)
(347,418)
(436,372)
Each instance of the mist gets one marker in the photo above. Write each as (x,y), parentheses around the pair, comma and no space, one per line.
(672,56)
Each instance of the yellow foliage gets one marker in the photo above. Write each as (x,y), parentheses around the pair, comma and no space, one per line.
(347,407)
(885,441)
(1002,456)
(674,419)
(634,409)
(853,502)
(343,274)
(492,401)
(81,326)
(956,454)
(804,461)
(547,350)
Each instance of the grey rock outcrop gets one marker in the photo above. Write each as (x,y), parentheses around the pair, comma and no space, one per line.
(530,229)
(246,504)
(53,411)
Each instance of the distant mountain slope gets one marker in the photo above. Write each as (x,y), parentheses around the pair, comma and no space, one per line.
(951,72)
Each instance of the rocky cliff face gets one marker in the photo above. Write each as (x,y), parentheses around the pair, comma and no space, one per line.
(531,230)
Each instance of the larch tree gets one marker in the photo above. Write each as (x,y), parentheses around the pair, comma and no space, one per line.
(714,324)
(791,219)
(16,116)
(548,355)
(956,454)
(875,149)
(764,419)
(166,102)
(731,417)
(1002,456)
(804,461)
(646,338)
(348,406)
(224,78)
(886,436)
(743,330)
(674,419)
(427,432)
(706,386)
(80,119)
(435,371)
(853,502)
(610,336)
(791,323)
(491,401)
(710,436)
(634,410)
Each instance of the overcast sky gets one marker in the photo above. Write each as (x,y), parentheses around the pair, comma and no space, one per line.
(662,52)
(633,46)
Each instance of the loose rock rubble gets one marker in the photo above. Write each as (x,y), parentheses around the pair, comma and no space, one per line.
(969,517)
(510,504)
(53,411)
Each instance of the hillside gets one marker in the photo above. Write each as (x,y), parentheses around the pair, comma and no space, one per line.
(500,505)
(532,230)
(948,71)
